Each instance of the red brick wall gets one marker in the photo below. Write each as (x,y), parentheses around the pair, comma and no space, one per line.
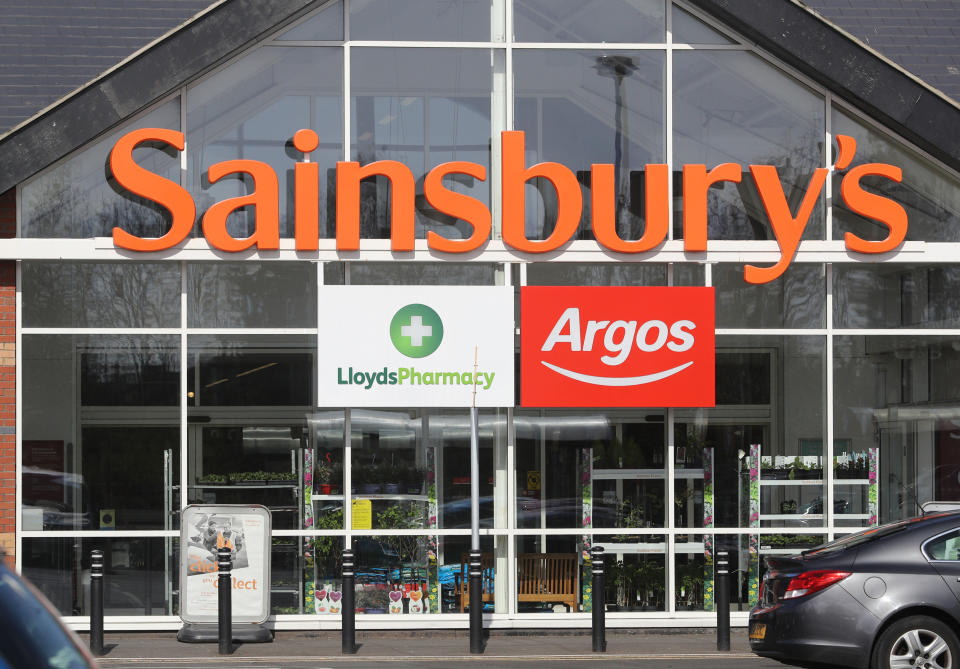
(8,381)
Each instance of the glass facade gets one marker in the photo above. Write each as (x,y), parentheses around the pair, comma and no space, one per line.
(150,384)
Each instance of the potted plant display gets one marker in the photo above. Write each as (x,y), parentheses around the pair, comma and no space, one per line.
(390,476)
(328,477)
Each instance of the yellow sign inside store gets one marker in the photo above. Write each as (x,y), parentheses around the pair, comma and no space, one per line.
(362,515)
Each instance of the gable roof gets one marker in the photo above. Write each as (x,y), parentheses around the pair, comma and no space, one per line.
(921,36)
(786,29)
(48,49)
(144,77)
(828,55)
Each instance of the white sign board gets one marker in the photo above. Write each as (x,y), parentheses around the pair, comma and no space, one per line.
(399,346)
(245,529)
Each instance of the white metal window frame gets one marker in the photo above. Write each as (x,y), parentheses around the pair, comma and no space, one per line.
(502,46)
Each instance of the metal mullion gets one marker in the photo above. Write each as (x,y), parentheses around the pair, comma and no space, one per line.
(669,467)
(347,478)
(184,386)
(413,44)
(748,332)
(18,436)
(79,534)
(828,162)
(668,118)
(303,43)
(593,46)
(101,331)
(248,331)
(512,516)
(828,450)
(346,81)
(712,47)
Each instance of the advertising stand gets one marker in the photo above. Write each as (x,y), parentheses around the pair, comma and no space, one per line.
(245,530)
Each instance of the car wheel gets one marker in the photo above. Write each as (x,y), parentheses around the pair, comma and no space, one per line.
(917,642)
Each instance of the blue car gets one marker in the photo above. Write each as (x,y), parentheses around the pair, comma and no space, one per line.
(33,636)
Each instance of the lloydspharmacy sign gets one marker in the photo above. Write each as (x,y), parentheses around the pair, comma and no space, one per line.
(399,346)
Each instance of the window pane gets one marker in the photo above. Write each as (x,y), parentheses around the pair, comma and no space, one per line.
(719,481)
(614,100)
(75,199)
(105,295)
(688,29)
(395,116)
(550,573)
(141,574)
(96,408)
(427,20)
(589,21)
(325,25)
(896,296)
(249,463)
(795,300)
(894,400)
(250,109)
(606,274)
(409,479)
(732,106)
(929,194)
(251,370)
(422,274)
(252,295)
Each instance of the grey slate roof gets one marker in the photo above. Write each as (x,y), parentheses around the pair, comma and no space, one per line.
(921,36)
(49,48)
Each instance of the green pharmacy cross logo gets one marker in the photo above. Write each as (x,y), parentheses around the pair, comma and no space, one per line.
(416,330)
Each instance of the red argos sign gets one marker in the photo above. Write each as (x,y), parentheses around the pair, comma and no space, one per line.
(617,347)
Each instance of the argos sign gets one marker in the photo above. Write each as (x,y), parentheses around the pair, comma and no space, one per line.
(787,224)
(616,347)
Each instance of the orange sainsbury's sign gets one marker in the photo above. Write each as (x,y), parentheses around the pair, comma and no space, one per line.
(787,226)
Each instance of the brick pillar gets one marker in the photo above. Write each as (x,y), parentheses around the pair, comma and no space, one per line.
(8,381)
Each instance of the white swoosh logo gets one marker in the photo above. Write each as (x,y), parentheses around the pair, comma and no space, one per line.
(617,380)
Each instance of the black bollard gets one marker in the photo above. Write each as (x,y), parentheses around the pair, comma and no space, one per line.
(225,601)
(476,603)
(96,602)
(723,601)
(348,615)
(599,605)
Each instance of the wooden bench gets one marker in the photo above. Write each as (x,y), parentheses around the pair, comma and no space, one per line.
(461,580)
(549,578)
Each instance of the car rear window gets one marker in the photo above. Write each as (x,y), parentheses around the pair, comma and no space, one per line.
(868,535)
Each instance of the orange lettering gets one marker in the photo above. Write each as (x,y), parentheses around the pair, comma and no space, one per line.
(458,205)
(881,209)
(787,228)
(153,187)
(402,187)
(604,208)
(265,200)
(515,176)
(306,180)
(696,184)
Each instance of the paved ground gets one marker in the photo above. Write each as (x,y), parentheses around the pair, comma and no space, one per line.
(639,648)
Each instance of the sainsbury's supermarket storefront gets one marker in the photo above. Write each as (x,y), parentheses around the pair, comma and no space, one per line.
(156,374)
